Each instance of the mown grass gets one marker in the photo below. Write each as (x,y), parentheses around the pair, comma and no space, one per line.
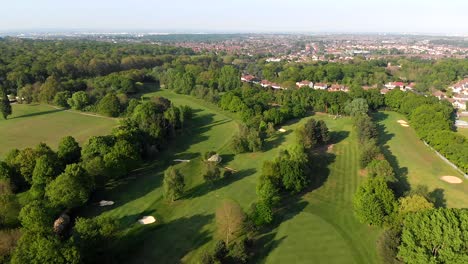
(417,163)
(186,227)
(35,123)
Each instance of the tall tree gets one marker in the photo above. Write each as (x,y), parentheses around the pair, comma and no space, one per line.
(5,107)
(229,220)
(173,184)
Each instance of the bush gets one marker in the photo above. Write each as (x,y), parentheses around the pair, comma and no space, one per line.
(61,98)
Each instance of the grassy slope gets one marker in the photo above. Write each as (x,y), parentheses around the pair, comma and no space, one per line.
(417,162)
(187,226)
(32,124)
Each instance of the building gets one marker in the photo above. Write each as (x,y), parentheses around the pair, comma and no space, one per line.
(247,78)
(459,105)
(305,83)
(265,83)
(439,95)
(384,91)
(338,88)
(393,85)
(320,86)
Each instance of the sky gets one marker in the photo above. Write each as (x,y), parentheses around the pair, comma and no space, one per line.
(354,16)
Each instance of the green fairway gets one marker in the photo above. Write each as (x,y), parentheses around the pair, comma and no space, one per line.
(32,124)
(186,227)
(325,230)
(418,163)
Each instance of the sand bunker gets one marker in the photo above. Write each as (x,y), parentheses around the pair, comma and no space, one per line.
(282,130)
(145,220)
(451,179)
(404,125)
(106,203)
(181,160)
(402,121)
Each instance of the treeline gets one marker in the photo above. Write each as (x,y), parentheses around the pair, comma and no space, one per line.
(30,61)
(433,121)
(414,232)
(53,184)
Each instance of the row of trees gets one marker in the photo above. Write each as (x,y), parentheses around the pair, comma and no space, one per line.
(415,232)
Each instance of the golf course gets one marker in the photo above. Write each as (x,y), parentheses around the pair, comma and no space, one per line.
(416,163)
(319,225)
(32,124)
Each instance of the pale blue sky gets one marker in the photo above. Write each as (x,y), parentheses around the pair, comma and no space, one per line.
(425,16)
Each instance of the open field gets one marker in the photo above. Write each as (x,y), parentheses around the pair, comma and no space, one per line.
(32,124)
(417,163)
(184,228)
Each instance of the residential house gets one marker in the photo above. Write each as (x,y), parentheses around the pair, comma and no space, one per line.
(439,94)
(247,78)
(305,83)
(393,85)
(320,86)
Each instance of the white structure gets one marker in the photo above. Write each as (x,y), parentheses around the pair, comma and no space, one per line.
(305,83)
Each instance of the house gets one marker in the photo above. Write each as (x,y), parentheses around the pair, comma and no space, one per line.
(276,86)
(460,86)
(460,97)
(439,94)
(265,83)
(410,86)
(384,91)
(248,78)
(305,83)
(337,88)
(320,86)
(393,85)
(459,105)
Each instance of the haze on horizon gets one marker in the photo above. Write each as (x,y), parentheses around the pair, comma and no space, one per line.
(398,16)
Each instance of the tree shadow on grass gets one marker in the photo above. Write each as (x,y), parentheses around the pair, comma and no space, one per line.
(437,197)
(276,140)
(162,242)
(39,113)
(401,186)
(207,187)
(338,136)
(293,205)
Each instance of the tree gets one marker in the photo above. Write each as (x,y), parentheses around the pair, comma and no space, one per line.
(61,98)
(9,210)
(435,236)
(109,105)
(229,78)
(374,203)
(211,172)
(36,217)
(5,107)
(69,151)
(414,203)
(79,100)
(357,107)
(268,198)
(173,184)
(94,237)
(381,168)
(37,248)
(229,220)
(71,188)
(369,151)
(49,89)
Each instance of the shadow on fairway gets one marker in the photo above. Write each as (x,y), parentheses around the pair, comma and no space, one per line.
(401,173)
(292,205)
(162,242)
(38,113)
(206,187)
(437,197)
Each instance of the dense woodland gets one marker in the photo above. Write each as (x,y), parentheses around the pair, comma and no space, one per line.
(39,185)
